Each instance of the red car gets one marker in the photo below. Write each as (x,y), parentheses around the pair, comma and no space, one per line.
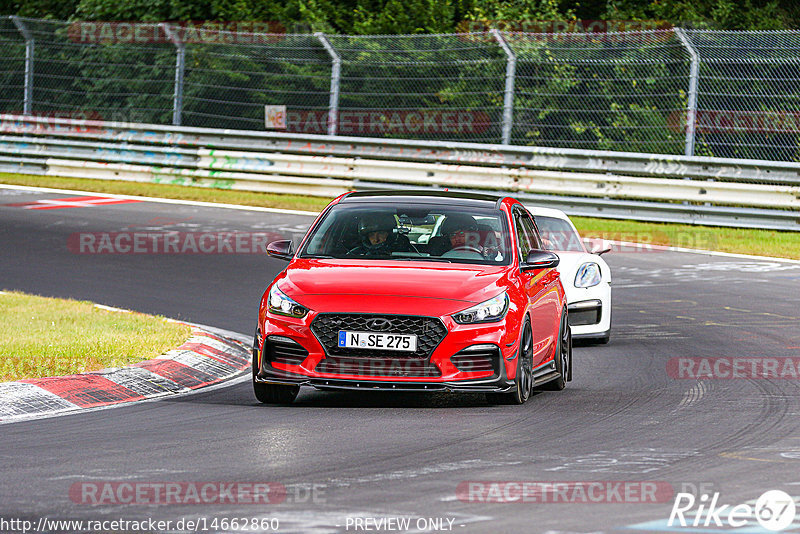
(415,291)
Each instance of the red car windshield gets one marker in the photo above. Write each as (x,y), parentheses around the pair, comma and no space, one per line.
(411,232)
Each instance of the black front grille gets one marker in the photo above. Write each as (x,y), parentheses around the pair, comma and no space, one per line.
(429,331)
(284,350)
(472,361)
(378,366)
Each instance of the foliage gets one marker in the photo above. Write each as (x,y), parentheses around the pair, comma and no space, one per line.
(418,16)
(595,94)
(712,14)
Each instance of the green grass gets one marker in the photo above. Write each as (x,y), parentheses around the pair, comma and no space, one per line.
(51,337)
(739,240)
(743,241)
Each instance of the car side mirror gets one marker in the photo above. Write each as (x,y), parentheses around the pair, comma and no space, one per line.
(540,259)
(280,249)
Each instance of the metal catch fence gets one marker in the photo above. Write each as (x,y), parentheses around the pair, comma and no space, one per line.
(670,91)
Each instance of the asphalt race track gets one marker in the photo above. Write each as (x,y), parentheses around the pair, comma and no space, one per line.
(627,422)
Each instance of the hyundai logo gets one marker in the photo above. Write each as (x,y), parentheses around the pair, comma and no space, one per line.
(379,325)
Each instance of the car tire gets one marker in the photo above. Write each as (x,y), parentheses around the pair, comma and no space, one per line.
(563,356)
(270,393)
(275,394)
(524,379)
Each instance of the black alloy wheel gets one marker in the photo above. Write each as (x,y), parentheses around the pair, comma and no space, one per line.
(524,377)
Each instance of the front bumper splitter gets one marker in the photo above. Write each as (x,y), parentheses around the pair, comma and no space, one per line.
(491,385)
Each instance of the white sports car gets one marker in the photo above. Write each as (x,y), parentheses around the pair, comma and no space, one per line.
(585,276)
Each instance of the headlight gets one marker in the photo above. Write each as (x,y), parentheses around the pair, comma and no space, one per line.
(588,275)
(283,305)
(492,310)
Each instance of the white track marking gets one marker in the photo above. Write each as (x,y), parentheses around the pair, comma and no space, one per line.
(160,200)
(111,308)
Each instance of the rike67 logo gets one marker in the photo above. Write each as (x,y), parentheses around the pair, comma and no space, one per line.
(774,510)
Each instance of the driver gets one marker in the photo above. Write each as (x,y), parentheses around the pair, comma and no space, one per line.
(459,231)
(378,235)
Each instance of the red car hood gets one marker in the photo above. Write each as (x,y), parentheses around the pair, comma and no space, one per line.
(312,282)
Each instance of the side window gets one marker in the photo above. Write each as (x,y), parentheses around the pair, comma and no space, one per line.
(523,236)
(530,227)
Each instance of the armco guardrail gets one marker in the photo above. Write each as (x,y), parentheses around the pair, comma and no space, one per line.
(744,193)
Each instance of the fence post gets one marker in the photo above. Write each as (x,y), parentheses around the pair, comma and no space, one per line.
(336,70)
(180,68)
(508,96)
(27,106)
(694,78)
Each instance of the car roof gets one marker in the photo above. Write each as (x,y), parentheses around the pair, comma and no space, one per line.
(547,212)
(451,198)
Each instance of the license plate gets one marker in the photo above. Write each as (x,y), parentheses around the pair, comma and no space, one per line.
(375,340)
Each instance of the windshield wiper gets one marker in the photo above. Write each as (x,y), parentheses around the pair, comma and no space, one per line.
(422,258)
(319,256)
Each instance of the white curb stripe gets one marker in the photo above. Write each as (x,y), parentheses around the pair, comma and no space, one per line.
(20,399)
(204,364)
(142,381)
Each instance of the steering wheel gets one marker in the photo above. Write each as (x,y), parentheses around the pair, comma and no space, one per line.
(467,252)
(468,248)
(355,251)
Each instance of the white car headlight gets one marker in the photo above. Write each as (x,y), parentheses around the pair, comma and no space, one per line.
(490,311)
(282,305)
(588,275)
